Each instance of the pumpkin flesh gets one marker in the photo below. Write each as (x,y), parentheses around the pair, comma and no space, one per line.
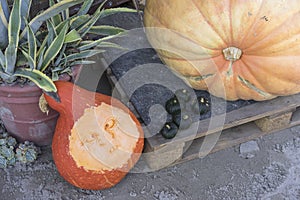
(107,143)
(198,32)
(85,154)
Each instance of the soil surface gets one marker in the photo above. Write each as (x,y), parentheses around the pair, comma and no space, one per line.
(271,172)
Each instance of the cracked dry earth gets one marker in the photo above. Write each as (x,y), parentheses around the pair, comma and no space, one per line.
(270,170)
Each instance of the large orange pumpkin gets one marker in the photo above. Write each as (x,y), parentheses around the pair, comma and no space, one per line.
(97,139)
(252,48)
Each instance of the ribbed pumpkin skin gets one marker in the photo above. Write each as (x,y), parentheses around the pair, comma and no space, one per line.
(70,110)
(266,31)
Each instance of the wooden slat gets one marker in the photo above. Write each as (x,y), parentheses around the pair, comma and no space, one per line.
(233,136)
(237,117)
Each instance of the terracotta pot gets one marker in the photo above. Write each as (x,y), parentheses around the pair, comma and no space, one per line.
(22,117)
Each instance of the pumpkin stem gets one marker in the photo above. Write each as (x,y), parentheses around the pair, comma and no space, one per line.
(232,53)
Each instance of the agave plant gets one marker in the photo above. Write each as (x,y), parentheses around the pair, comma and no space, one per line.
(41,48)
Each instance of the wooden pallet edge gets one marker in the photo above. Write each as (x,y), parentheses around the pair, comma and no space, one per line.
(229,138)
(266,120)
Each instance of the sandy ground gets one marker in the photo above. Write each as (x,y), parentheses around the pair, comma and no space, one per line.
(271,172)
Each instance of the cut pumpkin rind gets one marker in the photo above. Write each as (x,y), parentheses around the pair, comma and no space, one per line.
(88,150)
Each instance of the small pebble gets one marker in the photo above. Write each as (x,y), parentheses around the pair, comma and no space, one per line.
(248,149)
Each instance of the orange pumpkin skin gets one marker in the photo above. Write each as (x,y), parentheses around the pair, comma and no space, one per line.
(267,33)
(71,109)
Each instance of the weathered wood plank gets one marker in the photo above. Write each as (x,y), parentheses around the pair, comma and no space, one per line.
(234,118)
(234,136)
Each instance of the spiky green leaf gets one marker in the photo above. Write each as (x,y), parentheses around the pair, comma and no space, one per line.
(60,56)
(54,48)
(25,8)
(97,42)
(112,11)
(4,75)
(37,21)
(42,47)
(78,21)
(13,37)
(55,76)
(60,26)
(51,32)
(30,60)
(32,46)
(83,55)
(85,7)
(85,29)
(110,45)
(41,57)
(4,15)
(83,62)
(105,30)
(65,14)
(5,8)
(56,19)
(37,77)
(2,60)
(72,36)
(21,60)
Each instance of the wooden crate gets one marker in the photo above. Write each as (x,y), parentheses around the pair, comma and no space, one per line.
(241,125)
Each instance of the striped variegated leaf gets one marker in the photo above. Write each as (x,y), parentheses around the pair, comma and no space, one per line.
(97,42)
(112,11)
(105,30)
(5,8)
(54,48)
(4,75)
(51,32)
(37,77)
(85,29)
(25,8)
(4,15)
(13,37)
(72,36)
(110,45)
(60,56)
(55,76)
(32,46)
(30,60)
(2,60)
(83,55)
(37,21)
(21,60)
(83,62)
(41,58)
(79,21)
(85,7)
(42,47)
(56,19)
